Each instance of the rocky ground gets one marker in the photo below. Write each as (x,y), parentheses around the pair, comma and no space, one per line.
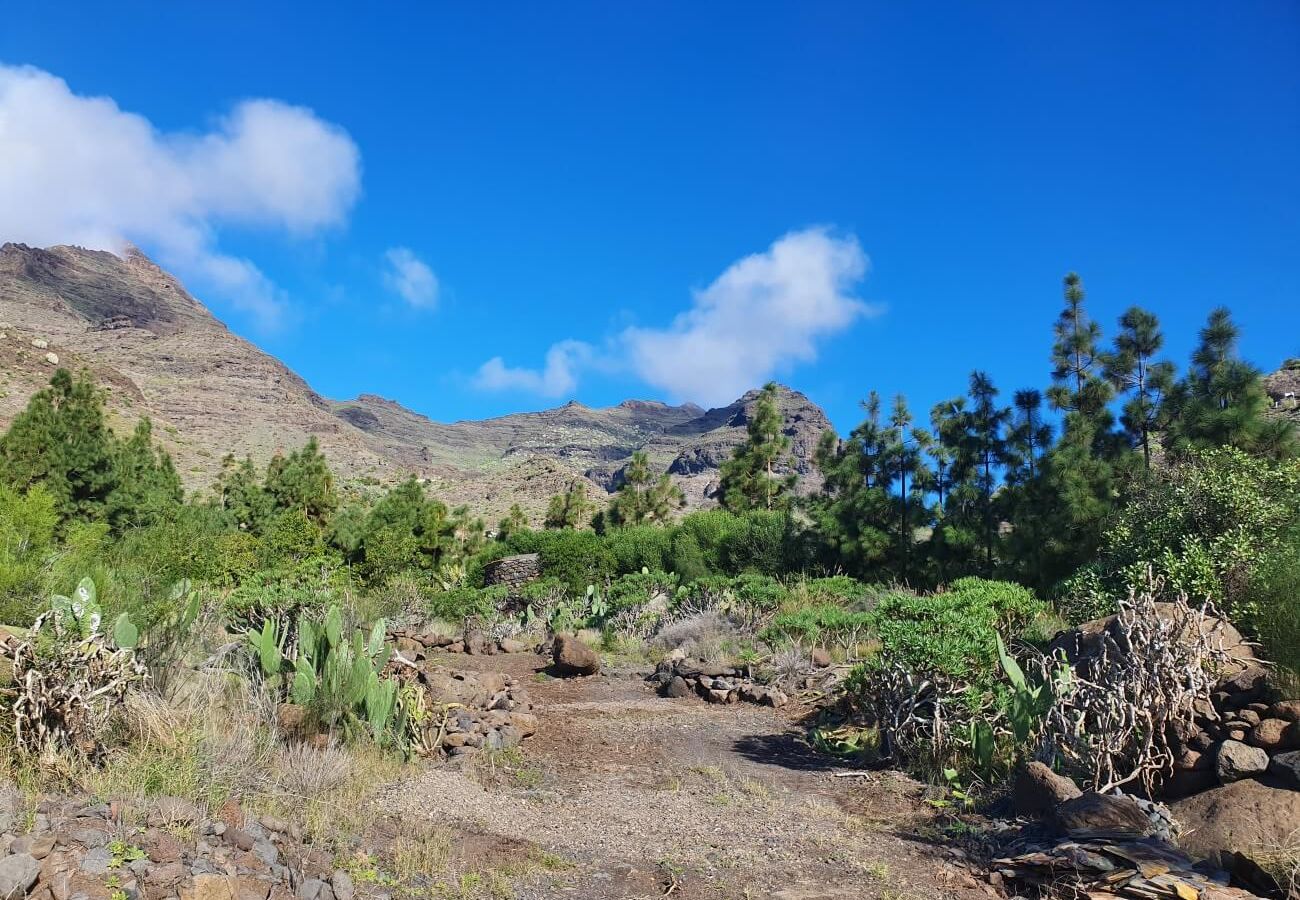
(633,795)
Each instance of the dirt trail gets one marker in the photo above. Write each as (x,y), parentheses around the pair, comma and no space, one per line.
(642,795)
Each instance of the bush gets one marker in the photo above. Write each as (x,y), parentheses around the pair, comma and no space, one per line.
(1274,602)
(953,633)
(578,558)
(639,547)
(823,625)
(284,593)
(463,603)
(637,589)
(1203,525)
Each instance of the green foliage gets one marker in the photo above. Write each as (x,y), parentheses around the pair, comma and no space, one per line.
(282,594)
(820,625)
(578,558)
(1204,525)
(1274,603)
(463,603)
(954,633)
(751,478)
(302,481)
(62,441)
(642,498)
(337,677)
(571,509)
(638,588)
(27,528)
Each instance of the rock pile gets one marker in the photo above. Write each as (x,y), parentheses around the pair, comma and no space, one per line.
(415,646)
(474,710)
(1240,734)
(714,682)
(77,850)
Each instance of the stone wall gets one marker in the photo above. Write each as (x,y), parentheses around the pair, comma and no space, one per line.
(513,571)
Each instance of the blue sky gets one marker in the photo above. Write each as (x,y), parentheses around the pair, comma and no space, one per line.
(574,179)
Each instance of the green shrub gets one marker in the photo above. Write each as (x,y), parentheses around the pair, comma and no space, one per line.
(953,633)
(1203,524)
(463,603)
(685,558)
(1274,602)
(822,625)
(759,593)
(283,594)
(637,589)
(639,547)
(578,558)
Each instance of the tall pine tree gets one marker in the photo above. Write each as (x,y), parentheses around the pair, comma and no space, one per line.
(750,478)
(1133,370)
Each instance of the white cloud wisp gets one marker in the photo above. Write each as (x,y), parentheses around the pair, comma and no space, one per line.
(410,277)
(80,170)
(766,312)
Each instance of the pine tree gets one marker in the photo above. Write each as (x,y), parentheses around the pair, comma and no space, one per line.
(988,444)
(855,511)
(239,491)
(749,478)
(302,481)
(1079,388)
(643,499)
(1222,400)
(146,488)
(1133,370)
(903,461)
(1028,438)
(570,509)
(514,522)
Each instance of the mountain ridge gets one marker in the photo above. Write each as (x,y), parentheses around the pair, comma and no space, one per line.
(158,351)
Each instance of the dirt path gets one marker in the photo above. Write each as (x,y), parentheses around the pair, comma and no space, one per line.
(640,796)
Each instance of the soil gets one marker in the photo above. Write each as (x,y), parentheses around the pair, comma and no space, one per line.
(635,796)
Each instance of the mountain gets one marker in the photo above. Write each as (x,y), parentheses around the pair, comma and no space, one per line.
(159,352)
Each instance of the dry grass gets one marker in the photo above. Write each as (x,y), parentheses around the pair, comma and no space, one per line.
(310,772)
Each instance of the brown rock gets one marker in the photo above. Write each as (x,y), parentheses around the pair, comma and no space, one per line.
(676,687)
(1285,709)
(821,657)
(1271,735)
(212,887)
(525,722)
(1038,791)
(1241,817)
(1234,761)
(1247,716)
(573,657)
(509,645)
(410,647)
(1103,816)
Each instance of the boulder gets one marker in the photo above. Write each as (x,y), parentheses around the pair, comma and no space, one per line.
(1094,816)
(677,688)
(1274,736)
(1285,767)
(508,645)
(18,873)
(1285,709)
(1241,817)
(573,657)
(1234,761)
(1038,791)
(1085,640)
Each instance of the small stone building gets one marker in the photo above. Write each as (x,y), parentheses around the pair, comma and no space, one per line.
(513,571)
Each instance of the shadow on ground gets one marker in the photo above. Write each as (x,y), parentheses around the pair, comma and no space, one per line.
(788,751)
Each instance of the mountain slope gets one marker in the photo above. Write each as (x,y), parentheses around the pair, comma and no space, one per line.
(159,352)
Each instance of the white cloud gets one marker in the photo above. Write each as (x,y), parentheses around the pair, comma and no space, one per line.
(558,377)
(764,313)
(410,277)
(80,170)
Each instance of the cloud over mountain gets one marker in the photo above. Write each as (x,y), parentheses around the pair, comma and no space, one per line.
(765,312)
(81,170)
